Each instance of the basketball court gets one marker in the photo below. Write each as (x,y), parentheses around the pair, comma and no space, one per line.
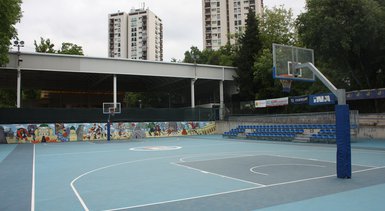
(188,173)
(200,172)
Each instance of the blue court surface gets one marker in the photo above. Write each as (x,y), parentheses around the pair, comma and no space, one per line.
(189,173)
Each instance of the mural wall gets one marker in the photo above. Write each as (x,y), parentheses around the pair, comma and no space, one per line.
(63,132)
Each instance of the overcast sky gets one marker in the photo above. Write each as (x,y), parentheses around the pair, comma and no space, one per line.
(84,22)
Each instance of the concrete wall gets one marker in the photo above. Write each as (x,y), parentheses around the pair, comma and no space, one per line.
(371,126)
(65,132)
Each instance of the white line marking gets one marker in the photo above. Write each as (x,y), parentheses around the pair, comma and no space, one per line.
(79,153)
(268,165)
(236,155)
(102,168)
(228,192)
(326,161)
(220,175)
(33,180)
(183,199)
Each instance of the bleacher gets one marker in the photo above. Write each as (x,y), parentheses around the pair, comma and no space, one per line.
(325,133)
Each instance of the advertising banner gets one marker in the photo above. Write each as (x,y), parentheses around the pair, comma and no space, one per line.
(299,100)
(277,102)
(260,103)
(322,99)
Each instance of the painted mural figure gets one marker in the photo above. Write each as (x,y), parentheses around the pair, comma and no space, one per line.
(22,134)
(3,139)
(151,128)
(61,132)
(80,132)
(172,128)
(45,133)
(31,131)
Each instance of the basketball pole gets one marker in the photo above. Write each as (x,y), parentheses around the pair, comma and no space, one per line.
(108,128)
(344,167)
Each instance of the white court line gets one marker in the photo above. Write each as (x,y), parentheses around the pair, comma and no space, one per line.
(237,155)
(79,153)
(287,164)
(220,175)
(33,180)
(326,161)
(233,191)
(105,167)
(183,199)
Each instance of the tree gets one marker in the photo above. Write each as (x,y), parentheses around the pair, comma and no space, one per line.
(69,48)
(348,36)
(45,46)
(276,26)
(193,56)
(223,56)
(9,15)
(7,98)
(250,47)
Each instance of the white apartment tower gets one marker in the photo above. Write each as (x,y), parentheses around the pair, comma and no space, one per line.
(224,18)
(139,37)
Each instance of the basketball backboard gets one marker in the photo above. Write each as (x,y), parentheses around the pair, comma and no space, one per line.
(111,108)
(285,58)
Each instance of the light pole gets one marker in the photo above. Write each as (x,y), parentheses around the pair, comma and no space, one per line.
(195,58)
(140,104)
(18,44)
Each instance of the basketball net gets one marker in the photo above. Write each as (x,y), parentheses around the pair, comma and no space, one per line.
(111,111)
(286,83)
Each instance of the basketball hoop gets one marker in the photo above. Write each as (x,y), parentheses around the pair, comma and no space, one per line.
(286,83)
(111,111)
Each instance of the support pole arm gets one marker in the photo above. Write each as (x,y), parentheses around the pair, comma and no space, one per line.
(339,93)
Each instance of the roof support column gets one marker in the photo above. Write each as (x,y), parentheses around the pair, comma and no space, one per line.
(221,101)
(193,92)
(18,103)
(115,90)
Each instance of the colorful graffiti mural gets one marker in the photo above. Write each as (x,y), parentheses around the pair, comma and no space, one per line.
(63,132)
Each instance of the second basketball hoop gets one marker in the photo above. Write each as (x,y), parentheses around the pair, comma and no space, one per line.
(286,83)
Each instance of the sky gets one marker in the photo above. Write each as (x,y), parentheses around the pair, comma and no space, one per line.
(85,22)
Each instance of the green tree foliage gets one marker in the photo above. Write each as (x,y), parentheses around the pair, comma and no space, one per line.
(194,55)
(250,47)
(348,37)
(69,48)
(223,56)
(131,99)
(9,15)
(45,46)
(7,98)
(277,25)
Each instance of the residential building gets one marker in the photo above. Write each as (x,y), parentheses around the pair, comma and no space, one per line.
(223,19)
(141,36)
(117,35)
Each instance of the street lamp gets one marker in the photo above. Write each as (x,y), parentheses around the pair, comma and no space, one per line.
(140,104)
(18,44)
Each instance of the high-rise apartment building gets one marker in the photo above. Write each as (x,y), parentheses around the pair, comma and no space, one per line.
(117,35)
(136,35)
(224,18)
